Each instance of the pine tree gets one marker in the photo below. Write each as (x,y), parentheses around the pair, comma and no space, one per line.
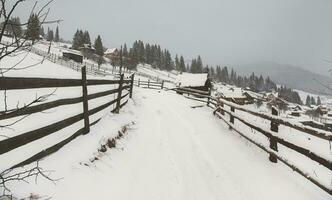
(319,102)
(33,28)
(86,38)
(57,37)
(308,101)
(182,65)
(99,46)
(42,31)
(177,63)
(50,35)
(312,101)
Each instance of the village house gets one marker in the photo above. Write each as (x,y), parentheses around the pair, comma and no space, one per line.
(236,95)
(111,53)
(87,50)
(72,55)
(194,81)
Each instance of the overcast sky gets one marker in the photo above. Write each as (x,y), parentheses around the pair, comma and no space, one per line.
(225,32)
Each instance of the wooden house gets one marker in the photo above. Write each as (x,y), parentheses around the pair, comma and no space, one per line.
(112,53)
(194,81)
(73,55)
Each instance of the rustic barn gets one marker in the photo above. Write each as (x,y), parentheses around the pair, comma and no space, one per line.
(236,95)
(111,53)
(194,81)
(73,55)
(87,50)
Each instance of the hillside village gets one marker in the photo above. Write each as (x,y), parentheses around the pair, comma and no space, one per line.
(79,120)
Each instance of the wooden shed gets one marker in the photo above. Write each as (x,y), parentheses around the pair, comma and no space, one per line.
(73,55)
(194,81)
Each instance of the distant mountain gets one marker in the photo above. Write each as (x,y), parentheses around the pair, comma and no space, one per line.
(291,76)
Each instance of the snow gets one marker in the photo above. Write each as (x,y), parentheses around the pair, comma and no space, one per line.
(110,51)
(191,80)
(172,152)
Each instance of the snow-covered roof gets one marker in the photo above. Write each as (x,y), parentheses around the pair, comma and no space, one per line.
(110,51)
(191,80)
(233,93)
(72,51)
(87,46)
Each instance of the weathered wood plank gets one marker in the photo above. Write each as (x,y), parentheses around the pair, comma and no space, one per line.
(53,104)
(14,83)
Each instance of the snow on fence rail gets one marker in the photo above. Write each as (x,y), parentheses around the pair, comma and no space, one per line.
(150,84)
(220,111)
(91,69)
(10,83)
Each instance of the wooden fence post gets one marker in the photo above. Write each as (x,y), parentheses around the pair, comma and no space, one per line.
(85,101)
(222,106)
(149,83)
(273,141)
(162,85)
(139,82)
(131,86)
(118,102)
(208,99)
(232,117)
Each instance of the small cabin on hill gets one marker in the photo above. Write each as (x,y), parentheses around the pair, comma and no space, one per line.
(194,81)
(73,55)
(111,53)
(87,50)
(236,95)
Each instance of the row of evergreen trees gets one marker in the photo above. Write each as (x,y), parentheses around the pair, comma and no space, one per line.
(310,100)
(50,35)
(150,54)
(13,27)
(289,95)
(255,83)
(157,57)
(33,31)
(82,38)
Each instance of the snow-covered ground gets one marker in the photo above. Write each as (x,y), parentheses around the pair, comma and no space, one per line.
(172,152)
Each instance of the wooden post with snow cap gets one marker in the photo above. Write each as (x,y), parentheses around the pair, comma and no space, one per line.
(273,141)
(85,102)
(208,98)
(118,102)
(149,83)
(162,85)
(222,106)
(131,86)
(139,82)
(232,116)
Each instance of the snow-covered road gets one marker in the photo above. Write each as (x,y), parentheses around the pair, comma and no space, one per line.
(175,152)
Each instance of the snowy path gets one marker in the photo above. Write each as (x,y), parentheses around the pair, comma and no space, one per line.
(177,152)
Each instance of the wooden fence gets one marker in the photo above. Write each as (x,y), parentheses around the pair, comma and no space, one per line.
(219,110)
(150,84)
(10,83)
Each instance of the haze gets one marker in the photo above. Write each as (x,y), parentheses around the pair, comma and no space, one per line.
(225,32)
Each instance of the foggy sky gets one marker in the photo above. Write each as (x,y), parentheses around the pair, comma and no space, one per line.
(225,32)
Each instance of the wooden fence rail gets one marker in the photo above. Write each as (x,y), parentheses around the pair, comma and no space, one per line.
(9,83)
(274,139)
(150,84)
